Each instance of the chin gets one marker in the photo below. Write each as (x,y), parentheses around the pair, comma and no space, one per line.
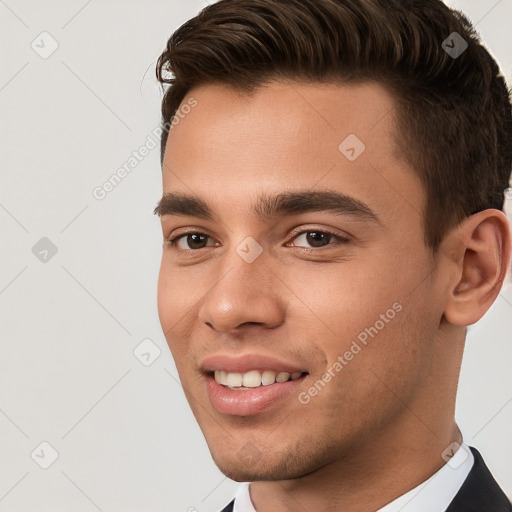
(253,474)
(247,466)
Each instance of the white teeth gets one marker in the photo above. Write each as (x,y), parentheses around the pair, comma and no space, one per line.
(268,378)
(221,377)
(234,380)
(282,377)
(253,378)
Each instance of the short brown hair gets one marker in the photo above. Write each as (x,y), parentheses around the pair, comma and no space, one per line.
(453,113)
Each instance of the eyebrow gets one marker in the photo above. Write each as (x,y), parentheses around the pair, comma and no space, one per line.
(269,206)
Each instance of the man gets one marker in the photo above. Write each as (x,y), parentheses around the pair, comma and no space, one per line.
(333,179)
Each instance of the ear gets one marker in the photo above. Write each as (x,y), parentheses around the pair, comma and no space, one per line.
(480,249)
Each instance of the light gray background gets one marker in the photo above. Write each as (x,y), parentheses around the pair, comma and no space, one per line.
(125,437)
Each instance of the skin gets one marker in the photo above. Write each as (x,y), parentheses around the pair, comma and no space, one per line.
(379,427)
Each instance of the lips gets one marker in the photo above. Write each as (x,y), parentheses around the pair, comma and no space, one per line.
(250,384)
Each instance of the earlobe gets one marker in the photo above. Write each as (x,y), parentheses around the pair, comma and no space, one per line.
(485,248)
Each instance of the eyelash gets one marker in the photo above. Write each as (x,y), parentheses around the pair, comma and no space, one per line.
(341,240)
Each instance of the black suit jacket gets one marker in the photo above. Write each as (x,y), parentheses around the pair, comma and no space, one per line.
(479,492)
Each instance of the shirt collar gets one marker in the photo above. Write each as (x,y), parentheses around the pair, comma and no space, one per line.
(435,493)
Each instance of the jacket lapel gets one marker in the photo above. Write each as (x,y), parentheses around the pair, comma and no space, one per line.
(480,492)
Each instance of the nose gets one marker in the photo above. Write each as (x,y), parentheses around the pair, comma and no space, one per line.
(245,294)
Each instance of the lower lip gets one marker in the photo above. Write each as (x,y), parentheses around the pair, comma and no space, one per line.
(247,402)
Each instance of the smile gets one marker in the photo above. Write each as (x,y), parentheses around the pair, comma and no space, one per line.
(253,378)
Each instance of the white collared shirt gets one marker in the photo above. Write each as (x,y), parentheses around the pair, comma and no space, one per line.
(434,494)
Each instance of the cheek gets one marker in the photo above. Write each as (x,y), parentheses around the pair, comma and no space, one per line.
(165,299)
(171,313)
(370,320)
(174,300)
(387,352)
(342,302)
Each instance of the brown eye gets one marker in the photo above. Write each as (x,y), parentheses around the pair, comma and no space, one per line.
(190,241)
(316,238)
(196,240)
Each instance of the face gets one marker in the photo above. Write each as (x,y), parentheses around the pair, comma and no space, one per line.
(296,293)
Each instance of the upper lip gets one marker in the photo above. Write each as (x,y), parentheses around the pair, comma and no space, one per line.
(247,362)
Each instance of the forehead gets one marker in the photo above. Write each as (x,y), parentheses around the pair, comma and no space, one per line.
(231,145)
